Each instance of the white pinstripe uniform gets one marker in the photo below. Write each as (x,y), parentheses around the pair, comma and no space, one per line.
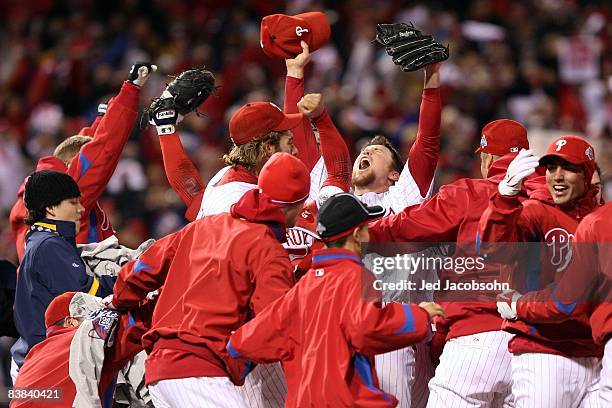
(474,371)
(552,381)
(196,392)
(396,369)
(605,382)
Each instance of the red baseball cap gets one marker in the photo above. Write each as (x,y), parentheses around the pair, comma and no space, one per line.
(573,149)
(257,119)
(503,136)
(280,34)
(285,179)
(58,308)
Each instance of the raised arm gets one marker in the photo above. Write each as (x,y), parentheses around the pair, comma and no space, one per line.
(303,136)
(424,153)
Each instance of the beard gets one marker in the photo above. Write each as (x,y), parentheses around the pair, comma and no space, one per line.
(363,179)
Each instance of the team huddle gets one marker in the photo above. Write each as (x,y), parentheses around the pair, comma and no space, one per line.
(266,297)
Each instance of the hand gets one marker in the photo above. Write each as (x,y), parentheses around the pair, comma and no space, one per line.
(433,309)
(523,165)
(163,114)
(311,105)
(139,73)
(102,108)
(295,66)
(506,305)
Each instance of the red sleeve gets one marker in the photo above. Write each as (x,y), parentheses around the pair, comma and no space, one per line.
(266,338)
(93,167)
(335,154)
(146,274)
(424,153)
(303,136)
(182,174)
(372,329)
(91,130)
(272,273)
(434,220)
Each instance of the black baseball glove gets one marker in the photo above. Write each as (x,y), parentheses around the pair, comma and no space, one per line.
(183,95)
(408,47)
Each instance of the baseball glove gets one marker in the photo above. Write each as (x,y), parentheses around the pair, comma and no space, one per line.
(184,94)
(408,47)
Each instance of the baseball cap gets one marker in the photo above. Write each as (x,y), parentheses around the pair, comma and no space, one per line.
(503,136)
(342,213)
(257,119)
(58,308)
(280,34)
(285,179)
(573,149)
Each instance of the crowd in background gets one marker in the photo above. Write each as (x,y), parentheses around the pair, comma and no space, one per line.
(544,63)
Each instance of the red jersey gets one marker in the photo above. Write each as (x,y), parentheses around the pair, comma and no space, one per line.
(452,215)
(506,220)
(216,273)
(331,312)
(585,286)
(92,168)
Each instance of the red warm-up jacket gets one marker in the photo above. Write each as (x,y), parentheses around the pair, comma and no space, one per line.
(452,215)
(585,286)
(92,168)
(550,230)
(216,273)
(326,331)
(46,365)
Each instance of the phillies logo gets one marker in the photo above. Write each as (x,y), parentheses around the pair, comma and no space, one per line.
(299,30)
(560,243)
(589,153)
(560,144)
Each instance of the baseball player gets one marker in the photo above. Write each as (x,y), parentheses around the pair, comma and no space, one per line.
(91,161)
(326,315)
(216,274)
(474,368)
(47,364)
(553,364)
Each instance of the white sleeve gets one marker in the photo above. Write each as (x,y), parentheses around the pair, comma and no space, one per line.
(318,174)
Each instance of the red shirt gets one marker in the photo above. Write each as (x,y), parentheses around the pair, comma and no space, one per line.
(506,220)
(216,273)
(326,331)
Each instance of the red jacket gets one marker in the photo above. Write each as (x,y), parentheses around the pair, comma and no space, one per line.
(92,168)
(216,273)
(507,221)
(585,286)
(326,331)
(46,365)
(452,215)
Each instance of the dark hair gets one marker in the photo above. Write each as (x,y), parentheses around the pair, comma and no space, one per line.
(338,243)
(379,140)
(35,215)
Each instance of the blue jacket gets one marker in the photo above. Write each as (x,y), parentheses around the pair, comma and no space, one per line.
(51,266)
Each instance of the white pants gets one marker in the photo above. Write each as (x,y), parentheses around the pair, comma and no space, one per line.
(196,392)
(605,384)
(265,387)
(395,371)
(424,371)
(474,371)
(551,381)
(14,371)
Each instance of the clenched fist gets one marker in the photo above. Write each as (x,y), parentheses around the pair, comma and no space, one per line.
(311,105)
(433,309)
